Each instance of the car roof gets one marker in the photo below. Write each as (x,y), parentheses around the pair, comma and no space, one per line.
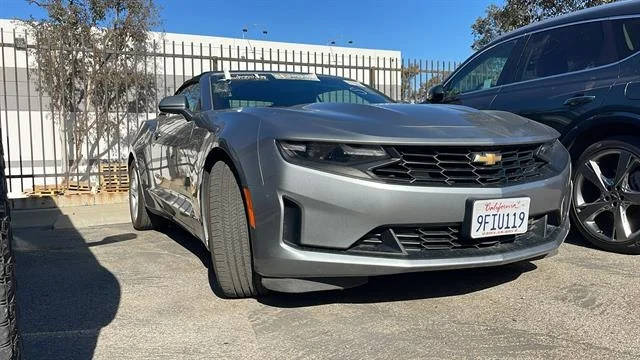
(268,72)
(215,73)
(622,8)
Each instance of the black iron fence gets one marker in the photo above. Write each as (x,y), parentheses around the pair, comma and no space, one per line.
(419,75)
(65,141)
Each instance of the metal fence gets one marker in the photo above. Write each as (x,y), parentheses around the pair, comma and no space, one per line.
(48,152)
(419,75)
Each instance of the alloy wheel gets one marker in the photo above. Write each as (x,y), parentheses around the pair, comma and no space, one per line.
(606,197)
(133,196)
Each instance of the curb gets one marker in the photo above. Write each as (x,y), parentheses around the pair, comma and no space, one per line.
(71,200)
(71,217)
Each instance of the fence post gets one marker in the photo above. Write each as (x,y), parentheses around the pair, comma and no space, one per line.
(9,336)
(372,78)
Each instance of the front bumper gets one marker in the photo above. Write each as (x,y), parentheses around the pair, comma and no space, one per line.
(337,211)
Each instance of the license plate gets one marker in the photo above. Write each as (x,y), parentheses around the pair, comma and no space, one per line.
(498,217)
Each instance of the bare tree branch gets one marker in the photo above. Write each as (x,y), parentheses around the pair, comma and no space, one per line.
(85,59)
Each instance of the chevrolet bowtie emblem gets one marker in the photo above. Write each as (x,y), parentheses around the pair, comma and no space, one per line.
(487,158)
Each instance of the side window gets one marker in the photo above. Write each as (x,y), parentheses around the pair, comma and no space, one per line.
(626,33)
(484,71)
(566,49)
(193,96)
(192,92)
(343,96)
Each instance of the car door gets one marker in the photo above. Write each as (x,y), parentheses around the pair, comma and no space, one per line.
(188,152)
(563,75)
(624,97)
(477,83)
(168,161)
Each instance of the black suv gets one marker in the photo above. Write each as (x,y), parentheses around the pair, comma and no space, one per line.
(579,73)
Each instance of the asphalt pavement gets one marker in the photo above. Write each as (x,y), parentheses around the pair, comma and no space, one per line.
(114,293)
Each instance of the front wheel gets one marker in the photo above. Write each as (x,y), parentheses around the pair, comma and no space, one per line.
(229,235)
(606,195)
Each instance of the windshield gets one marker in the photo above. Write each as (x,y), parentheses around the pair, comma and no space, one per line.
(286,89)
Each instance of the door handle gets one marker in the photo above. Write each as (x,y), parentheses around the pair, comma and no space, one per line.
(579,100)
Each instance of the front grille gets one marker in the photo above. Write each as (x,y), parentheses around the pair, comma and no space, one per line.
(426,238)
(437,165)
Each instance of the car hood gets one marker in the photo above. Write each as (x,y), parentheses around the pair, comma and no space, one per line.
(400,123)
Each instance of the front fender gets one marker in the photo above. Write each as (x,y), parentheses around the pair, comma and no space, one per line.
(231,135)
(140,151)
(236,136)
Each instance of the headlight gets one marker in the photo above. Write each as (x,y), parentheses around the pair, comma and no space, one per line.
(554,153)
(545,152)
(347,159)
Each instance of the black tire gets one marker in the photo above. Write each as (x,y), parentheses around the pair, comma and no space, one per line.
(229,242)
(141,218)
(599,237)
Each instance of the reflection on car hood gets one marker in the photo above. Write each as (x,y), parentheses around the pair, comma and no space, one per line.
(401,123)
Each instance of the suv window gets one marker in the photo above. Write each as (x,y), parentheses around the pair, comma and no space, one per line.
(484,71)
(566,49)
(627,36)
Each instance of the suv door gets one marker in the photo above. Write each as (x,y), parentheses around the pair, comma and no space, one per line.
(563,75)
(625,93)
(478,82)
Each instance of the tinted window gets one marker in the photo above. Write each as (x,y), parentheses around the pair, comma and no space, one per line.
(282,90)
(484,71)
(627,36)
(566,49)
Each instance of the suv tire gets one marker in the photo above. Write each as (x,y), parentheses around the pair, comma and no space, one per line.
(606,195)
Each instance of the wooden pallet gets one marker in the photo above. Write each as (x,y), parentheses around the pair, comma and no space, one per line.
(45,190)
(114,189)
(76,187)
(114,167)
(118,181)
(115,186)
(114,177)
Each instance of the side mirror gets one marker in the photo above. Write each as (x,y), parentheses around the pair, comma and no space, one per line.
(435,94)
(176,104)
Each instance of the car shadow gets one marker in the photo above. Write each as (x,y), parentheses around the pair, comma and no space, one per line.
(197,248)
(400,287)
(64,295)
(575,238)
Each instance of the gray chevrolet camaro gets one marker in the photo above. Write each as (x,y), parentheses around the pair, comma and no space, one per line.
(305,182)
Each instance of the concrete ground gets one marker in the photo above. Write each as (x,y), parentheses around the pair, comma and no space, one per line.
(114,293)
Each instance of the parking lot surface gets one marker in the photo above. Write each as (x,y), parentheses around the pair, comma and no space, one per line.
(114,293)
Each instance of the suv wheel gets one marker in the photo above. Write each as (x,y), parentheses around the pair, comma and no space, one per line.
(606,195)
